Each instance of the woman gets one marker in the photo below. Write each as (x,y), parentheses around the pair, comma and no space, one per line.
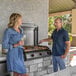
(12,41)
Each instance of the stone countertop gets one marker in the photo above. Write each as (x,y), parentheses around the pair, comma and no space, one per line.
(72,49)
(2,57)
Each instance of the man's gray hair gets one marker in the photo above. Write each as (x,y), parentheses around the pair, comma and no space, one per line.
(58,18)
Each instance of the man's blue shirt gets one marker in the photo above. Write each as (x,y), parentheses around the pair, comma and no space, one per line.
(59,39)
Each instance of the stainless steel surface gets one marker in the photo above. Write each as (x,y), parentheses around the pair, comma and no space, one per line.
(32,52)
(31,32)
(37,54)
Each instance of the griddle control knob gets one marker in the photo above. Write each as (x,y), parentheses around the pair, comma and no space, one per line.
(32,55)
(48,53)
(40,54)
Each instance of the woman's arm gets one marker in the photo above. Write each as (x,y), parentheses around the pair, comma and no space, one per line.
(20,43)
(5,41)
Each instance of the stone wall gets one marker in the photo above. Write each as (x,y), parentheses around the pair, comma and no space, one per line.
(39,67)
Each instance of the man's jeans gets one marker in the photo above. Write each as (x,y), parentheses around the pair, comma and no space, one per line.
(58,62)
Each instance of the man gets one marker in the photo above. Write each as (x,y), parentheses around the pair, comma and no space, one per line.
(61,45)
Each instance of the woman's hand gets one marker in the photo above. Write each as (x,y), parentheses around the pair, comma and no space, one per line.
(20,43)
(15,45)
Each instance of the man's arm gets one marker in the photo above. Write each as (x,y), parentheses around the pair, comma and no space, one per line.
(45,40)
(67,49)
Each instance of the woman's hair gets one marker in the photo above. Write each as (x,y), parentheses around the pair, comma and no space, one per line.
(13,20)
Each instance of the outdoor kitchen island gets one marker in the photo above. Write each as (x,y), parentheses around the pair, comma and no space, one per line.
(38,60)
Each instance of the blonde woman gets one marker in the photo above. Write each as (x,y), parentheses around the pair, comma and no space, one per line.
(12,41)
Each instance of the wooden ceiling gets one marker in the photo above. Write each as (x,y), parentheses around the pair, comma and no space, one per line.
(60,5)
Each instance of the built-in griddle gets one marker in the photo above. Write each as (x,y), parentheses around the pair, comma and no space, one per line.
(32,52)
(31,49)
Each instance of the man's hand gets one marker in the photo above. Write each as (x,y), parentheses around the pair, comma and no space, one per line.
(63,56)
(41,41)
(67,49)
